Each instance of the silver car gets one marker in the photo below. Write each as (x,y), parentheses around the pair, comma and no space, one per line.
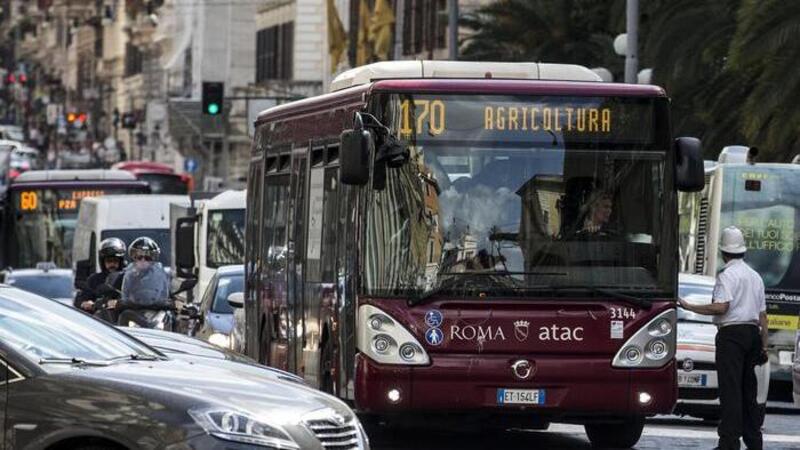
(71,381)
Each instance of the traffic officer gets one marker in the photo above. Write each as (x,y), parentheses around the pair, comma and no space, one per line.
(739,310)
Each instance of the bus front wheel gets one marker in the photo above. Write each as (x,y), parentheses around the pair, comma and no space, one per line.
(615,435)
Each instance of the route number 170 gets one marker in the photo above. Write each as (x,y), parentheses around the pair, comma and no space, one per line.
(430,112)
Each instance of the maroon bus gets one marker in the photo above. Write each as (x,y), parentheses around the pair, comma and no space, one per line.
(475,242)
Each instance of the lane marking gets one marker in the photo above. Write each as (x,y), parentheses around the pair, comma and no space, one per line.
(659,431)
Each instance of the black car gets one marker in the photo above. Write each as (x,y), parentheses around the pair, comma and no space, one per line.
(68,380)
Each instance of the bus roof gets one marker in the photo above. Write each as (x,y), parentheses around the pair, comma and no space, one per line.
(38,176)
(144,167)
(461,70)
(492,86)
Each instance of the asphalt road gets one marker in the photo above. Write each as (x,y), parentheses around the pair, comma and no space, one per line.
(664,432)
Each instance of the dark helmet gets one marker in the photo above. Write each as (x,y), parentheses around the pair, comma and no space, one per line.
(112,248)
(144,246)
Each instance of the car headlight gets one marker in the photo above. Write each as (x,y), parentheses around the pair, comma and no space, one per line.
(238,426)
(385,341)
(220,340)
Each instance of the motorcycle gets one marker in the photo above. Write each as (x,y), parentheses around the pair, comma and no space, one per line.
(164,318)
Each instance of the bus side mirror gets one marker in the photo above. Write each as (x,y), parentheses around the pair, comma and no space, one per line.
(184,247)
(689,171)
(356,147)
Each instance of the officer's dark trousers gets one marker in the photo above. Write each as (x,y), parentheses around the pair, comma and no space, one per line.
(738,347)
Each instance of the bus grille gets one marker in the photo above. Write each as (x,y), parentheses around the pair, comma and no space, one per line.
(333,435)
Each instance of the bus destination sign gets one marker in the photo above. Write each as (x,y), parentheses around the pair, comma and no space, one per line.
(64,200)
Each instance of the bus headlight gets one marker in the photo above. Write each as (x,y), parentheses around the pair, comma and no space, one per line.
(385,341)
(652,346)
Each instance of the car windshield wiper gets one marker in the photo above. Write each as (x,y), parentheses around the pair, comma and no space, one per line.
(73,360)
(136,357)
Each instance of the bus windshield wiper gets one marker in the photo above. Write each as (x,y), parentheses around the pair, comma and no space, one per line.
(423,297)
(73,360)
(635,301)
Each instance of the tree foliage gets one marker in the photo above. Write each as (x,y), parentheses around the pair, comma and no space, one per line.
(728,65)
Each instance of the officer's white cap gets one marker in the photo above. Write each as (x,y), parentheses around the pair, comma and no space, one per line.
(732,241)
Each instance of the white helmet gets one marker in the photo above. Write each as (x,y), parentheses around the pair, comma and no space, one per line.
(732,241)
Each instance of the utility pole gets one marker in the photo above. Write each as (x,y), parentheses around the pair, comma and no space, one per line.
(632,45)
(453,29)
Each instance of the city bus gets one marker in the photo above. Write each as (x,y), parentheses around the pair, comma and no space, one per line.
(161,177)
(763,200)
(489,244)
(41,209)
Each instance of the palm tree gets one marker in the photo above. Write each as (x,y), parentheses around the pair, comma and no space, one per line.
(567,31)
(766,47)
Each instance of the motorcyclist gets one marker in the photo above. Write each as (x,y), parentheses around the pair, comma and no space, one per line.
(145,285)
(105,284)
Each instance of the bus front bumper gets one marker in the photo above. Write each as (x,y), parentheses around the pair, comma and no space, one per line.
(571,387)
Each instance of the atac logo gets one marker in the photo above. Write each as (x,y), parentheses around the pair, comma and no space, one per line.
(521,330)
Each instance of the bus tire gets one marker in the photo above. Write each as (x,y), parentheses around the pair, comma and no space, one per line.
(615,435)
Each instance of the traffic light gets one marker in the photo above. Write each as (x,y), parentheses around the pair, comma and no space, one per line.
(213,96)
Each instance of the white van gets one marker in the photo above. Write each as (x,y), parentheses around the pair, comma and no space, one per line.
(121,216)
(211,236)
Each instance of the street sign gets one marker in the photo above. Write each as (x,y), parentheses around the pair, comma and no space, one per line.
(190,165)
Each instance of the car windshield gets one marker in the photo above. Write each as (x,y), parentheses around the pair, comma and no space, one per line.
(489,210)
(47,285)
(160,235)
(226,286)
(695,293)
(225,238)
(39,328)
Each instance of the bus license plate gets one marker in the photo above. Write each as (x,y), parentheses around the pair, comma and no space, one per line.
(785,358)
(692,379)
(520,396)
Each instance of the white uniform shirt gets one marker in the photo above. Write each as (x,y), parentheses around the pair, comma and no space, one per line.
(742,287)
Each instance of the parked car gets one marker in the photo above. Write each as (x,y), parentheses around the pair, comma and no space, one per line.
(214,322)
(698,394)
(46,280)
(72,381)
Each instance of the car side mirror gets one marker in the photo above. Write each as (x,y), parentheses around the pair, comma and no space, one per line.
(689,171)
(236,300)
(356,147)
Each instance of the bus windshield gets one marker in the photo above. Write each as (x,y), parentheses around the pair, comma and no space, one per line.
(43,223)
(580,198)
(225,239)
(764,202)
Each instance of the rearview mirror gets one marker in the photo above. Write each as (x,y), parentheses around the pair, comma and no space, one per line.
(184,247)
(236,300)
(356,147)
(689,172)
(187,284)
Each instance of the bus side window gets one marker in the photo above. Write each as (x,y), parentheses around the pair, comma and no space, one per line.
(329,225)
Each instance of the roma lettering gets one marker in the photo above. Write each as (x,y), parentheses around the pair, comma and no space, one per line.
(535,118)
(471,333)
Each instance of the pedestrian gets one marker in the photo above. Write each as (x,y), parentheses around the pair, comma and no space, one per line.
(739,310)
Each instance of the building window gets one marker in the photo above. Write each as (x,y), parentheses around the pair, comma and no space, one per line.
(133,60)
(424,26)
(274,48)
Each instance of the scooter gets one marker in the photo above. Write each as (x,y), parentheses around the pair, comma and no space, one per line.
(165,318)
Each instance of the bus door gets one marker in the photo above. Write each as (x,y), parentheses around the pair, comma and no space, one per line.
(296,257)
